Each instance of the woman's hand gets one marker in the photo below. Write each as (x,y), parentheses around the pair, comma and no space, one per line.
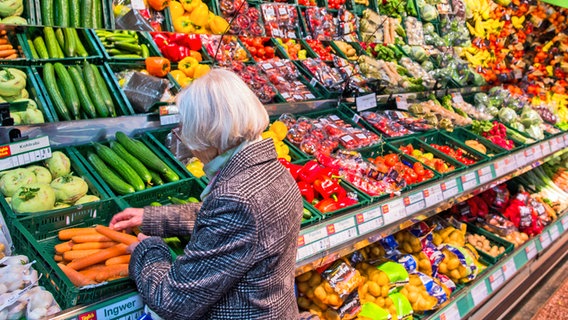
(127,219)
(141,237)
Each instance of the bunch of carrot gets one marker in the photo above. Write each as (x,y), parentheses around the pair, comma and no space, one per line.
(93,255)
(560,179)
(7,51)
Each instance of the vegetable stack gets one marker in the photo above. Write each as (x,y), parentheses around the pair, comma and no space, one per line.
(128,165)
(123,44)
(72,13)
(57,43)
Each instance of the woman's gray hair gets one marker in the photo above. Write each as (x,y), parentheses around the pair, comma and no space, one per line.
(219,110)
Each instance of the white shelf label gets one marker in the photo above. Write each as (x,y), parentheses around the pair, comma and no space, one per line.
(545,240)
(365,102)
(401,103)
(414,203)
(169,119)
(312,248)
(479,293)
(449,188)
(509,269)
(342,237)
(554,232)
(341,225)
(565,223)
(24,152)
(521,158)
(457,97)
(537,153)
(314,235)
(433,195)
(369,226)
(545,148)
(368,215)
(503,166)
(393,211)
(496,279)
(530,250)
(451,313)
(485,174)
(469,181)
(116,310)
(560,143)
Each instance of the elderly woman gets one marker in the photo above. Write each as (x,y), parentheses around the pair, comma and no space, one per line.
(239,263)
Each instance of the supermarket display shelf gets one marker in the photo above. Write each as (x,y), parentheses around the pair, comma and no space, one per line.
(336,237)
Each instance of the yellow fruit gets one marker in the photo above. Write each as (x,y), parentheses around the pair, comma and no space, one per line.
(280,129)
(269,134)
(281,149)
(201,70)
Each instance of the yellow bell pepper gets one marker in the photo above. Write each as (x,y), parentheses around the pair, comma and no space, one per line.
(179,76)
(201,70)
(176,9)
(187,65)
(189,5)
(183,24)
(200,15)
(218,25)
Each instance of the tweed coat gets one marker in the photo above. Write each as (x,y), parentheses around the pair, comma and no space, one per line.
(239,263)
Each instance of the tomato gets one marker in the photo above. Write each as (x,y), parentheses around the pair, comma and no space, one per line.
(269,52)
(261,52)
(391,159)
(419,168)
(257,42)
(252,51)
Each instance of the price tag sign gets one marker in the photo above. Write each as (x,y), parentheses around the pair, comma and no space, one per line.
(545,149)
(537,152)
(485,174)
(393,211)
(545,240)
(24,152)
(469,180)
(342,237)
(449,188)
(369,226)
(312,248)
(365,102)
(559,143)
(496,279)
(521,158)
(315,235)
(356,118)
(169,115)
(530,250)
(509,269)
(137,5)
(457,97)
(433,195)
(565,223)
(344,224)
(368,215)
(554,232)
(401,103)
(479,293)
(414,203)
(451,312)
(553,145)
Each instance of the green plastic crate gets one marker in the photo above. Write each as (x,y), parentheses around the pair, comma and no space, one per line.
(494,240)
(358,9)
(325,93)
(157,145)
(316,216)
(143,38)
(182,189)
(37,237)
(518,144)
(463,135)
(419,145)
(85,36)
(78,170)
(443,140)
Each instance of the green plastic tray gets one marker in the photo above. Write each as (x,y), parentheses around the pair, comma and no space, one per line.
(441,139)
(121,105)
(38,244)
(462,135)
(417,144)
(85,36)
(182,189)
(494,240)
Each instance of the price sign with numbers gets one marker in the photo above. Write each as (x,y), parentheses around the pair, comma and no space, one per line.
(393,211)
(469,180)
(545,148)
(545,240)
(479,293)
(457,97)
(368,215)
(451,312)
(485,174)
(530,250)
(414,203)
(365,102)
(401,103)
(496,279)
(315,235)
(509,269)
(312,248)
(449,188)
(537,153)
(433,195)
(24,152)
(341,237)
(369,226)
(169,115)
(521,158)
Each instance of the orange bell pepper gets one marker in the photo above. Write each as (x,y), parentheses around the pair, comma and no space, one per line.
(158,5)
(196,55)
(158,66)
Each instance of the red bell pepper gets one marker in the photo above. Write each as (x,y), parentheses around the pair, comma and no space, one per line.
(307,191)
(161,39)
(194,42)
(327,205)
(329,188)
(294,169)
(346,202)
(310,171)
(175,52)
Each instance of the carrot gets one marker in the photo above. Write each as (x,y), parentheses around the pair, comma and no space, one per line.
(76,278)
(103,255)
(116,236)
(14,56)
(77,254)
(92,271)
(118,260)
(93,245)
(114,271)
(6,53)
(95,237)
(4,41)
(63,247)
(6,47)
(67,234)
(58,258)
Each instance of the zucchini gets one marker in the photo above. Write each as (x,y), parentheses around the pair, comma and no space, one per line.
(74,14)
(51,43)
(40,47)
(86,14)
(143,153)
(69,42)
(103,89)
(46,8)
(81,52)
(120,166)
(114,181)
(93,89)
(62,16)
(71,98)
(86,102)
(156,179)
(54,94)
(138,166)
(32,49)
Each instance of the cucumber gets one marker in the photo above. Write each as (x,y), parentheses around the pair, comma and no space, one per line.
(62,16)
(40,47)
(33,51)
(78,44)
(86,14)
(54,94)
(138,166)
(145,51)
(60,37)
(70,46)
(130,47)
(71,98)
(93,89)
(86,102)
(46,8)
(114,181)
(97,14)
(143,153)
(51,43)
(74,13)
(103,89)
(156,179)
(171,176)
(119,165)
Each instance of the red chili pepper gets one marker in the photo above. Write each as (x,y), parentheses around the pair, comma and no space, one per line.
(307,191)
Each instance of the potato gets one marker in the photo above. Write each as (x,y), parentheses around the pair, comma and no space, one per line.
(442,268)
(334,300)
(304,277)
(315,280)
(380,301)
(453,263)
(364,289)
(304,302)
(319,293)
(455,274)
(374,289)
(303,287)
(369,298)
(328,287)
(383,279)
(310,293)
(385,291)
(412,297)
(331,314)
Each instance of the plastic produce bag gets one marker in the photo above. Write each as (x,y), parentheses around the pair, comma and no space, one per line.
(143,91)
(133,20)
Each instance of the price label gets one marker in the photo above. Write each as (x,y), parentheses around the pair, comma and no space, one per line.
(553,145)
(530,250)
(537,153)
(469,180)
(342,237)
(356,118)
(137,5)
(485,174)
(451,312)
(365,102)
(545,149)
(315,235)
(518,73)
(24,152)
(433,195)
(393,211)
(369,215)
(414,203)
(449,188)
(496,279)
(369,226)
(554,232)
(479,293)
(401,103)
(565,223)
(521,159)
(169,119)
(509,269)
(312,248)
(545,240)
(560,143)
(344,224)
(457,97)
